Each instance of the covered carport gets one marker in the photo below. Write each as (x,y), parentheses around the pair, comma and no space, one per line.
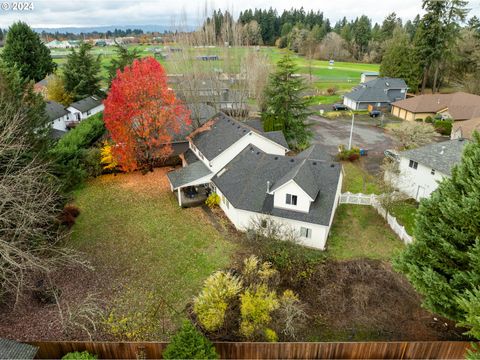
(194,178)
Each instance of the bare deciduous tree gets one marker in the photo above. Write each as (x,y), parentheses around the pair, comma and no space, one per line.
(29,208)
(412,134)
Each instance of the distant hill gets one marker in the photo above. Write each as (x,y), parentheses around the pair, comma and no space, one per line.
(102,29)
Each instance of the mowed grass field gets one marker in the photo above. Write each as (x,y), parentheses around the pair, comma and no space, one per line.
(139,239)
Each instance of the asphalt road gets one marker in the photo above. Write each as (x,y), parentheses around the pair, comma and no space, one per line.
(332,133)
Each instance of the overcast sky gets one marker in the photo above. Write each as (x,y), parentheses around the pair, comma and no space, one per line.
(66,13)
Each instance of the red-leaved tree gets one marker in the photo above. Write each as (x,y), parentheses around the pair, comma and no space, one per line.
(142,115)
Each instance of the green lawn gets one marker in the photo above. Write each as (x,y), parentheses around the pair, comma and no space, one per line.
(405,212)
(359,232)
(131,227)
(357,180)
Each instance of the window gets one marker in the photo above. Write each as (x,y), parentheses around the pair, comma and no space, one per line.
(291,199)
(413,164)
(432,172)
(305,232)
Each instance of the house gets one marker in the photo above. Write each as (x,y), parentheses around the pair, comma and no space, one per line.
(464,129)
(56,44)
(248,169)
(85,108)
(420,170)
(368,76)
(458,106)
(378,93)
(41,86)
(59,117)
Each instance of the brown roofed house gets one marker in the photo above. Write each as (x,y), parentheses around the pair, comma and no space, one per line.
(465,129)
(458,106)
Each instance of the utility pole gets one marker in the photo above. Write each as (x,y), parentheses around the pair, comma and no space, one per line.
(351,132)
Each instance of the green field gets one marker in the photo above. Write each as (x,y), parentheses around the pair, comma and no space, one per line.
(341,77)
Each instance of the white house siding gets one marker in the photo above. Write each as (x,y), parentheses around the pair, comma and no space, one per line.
(77,115)
(337,198)
(351,104)
(61,123)
(230,153)
(241,219)
(292,188)
(417,183)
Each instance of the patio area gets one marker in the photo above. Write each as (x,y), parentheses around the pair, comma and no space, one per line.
(194,195)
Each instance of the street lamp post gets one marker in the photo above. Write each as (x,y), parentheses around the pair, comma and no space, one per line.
(351,132)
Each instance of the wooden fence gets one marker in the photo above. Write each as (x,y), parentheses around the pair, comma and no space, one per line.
(362,199)
(248,350)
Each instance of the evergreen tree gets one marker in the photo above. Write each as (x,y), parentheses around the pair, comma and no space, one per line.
(189,343)
(24,50)
(81,72)
(18,93)
(399,60)
(286,108)
(443,263)
(124,58)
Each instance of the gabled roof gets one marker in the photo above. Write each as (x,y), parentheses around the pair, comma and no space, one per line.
(199,114)
(55,110)
(467,127)
(442,156)
(374,90)
(245,180)
(10,349)
(223,132)
(188,174)
(460,105)
(87,104)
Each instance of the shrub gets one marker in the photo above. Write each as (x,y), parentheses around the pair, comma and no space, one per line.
(270,335)
(213,200)
(256,306)
(212,303)
(84,355)
(68,215)
(291,314)
(429,119)
(419,119)
(106,157)
(189,343)
(73,163)
(443,127)
(91,161)
(350,155)
(331,91)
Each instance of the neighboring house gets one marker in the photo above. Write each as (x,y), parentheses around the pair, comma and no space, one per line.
(41,86)
(59,117)
(420,170)
(378,93)
(464,129)
(458,106)
(248,169)
(56,44)
(368,76)
(85,108)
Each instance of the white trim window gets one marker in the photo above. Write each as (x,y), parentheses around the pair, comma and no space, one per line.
(291,199)
(413,164)
(305,232)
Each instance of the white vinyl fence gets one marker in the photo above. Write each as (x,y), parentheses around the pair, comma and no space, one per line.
(372,200)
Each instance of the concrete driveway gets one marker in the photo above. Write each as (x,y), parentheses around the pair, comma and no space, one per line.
(332,133)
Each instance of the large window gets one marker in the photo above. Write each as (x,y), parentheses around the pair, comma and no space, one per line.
(291,199)
(413,164)
(305,232)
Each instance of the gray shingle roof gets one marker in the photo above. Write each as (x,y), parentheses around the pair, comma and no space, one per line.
(10,349)
(55,110)
(87,104)
(244,183)
(439,156)
(225,132)
(188,174)
(276,136)
(374,90)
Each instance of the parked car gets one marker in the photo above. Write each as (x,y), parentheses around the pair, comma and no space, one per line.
(375,113)
(338,107)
